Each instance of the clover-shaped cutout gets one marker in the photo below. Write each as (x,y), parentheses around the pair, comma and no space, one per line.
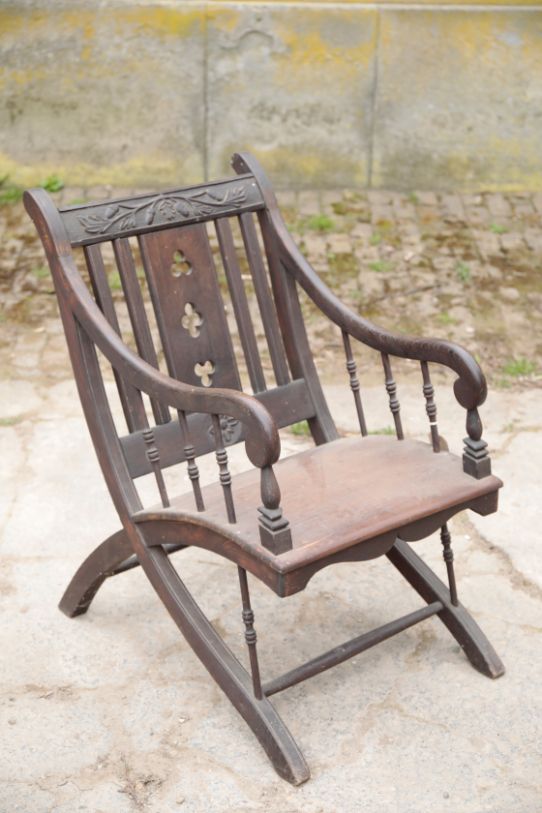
(205,372)
(192,320)
(180,265)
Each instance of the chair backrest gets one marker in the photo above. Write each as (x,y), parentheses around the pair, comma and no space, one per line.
(203,260)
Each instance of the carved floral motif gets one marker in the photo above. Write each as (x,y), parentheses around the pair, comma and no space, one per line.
(230,428)
(168,205)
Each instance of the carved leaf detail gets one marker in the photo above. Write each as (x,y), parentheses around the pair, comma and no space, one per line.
(230,428)
(129,216)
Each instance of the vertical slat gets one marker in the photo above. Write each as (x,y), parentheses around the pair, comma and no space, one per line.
(196,290)
(265,301)
(391,388)
(130,398)
(240,304)
(225,476)
(354,382)
(190,455)
(430,406)
(138,316)
(296,343)
(153,457)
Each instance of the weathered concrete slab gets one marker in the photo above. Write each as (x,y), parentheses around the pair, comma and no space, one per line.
(397,95)
(101,93)
(112,711)
(457,104)
(295,87)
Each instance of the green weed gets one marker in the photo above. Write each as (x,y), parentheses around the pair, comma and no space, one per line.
(9,192)
(517,368)
(53,184)
(321,223)
(300,429)
(41,271)
(497,229)
(380,266)
(463,272)
(445,319)
(385,430)
(11,421)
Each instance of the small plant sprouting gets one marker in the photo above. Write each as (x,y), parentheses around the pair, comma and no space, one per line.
(445,319)
(41,271)
(300,429)
(53,184)
(413,198)
(385,430)
(380,265)
(518,368)
(321,223)
(114,281)
(9,192)
(375,238)
(463,272)
(497,229)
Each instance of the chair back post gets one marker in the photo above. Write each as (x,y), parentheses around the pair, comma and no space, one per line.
(83,355)
(291,320)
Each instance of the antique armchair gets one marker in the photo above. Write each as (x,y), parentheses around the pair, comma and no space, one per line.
(283,520)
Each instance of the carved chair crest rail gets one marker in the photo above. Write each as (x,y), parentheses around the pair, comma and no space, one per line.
(180,379)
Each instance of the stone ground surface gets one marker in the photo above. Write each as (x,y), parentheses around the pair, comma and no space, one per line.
(112,712)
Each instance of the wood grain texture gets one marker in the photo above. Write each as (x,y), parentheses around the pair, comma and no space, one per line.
(342,493)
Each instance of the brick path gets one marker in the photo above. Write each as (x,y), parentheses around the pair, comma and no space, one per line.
(464,267)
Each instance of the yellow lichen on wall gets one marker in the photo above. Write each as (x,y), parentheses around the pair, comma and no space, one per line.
(144,170)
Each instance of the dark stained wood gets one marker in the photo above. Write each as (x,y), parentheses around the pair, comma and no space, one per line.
(175,297)
(124,217)
(349,649)
(265,301)
(250,633)
(354,382)
(131,400)
(460,623)
(391,389)
(287,405)
(346,500)
(240,305)
(138,315)
(430,406)
(448,555)
(345,492)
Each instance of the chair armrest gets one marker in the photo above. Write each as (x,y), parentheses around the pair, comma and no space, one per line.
(262,437)
(470,387)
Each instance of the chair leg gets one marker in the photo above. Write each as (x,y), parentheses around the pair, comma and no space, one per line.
(448,556)
(250,634)
(90,576)
(460,623)
(220,662)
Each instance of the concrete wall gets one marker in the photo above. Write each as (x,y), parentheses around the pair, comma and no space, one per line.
(327,94)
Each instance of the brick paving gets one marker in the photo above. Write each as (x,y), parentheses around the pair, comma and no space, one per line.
(463,267)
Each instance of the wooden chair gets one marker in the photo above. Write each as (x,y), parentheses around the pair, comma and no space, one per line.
(345,500)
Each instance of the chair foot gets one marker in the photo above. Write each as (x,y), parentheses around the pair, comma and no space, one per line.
(226,670)
(458,620)
(90,576)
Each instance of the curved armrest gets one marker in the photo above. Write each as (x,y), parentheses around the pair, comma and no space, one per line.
(262,437)
(470,388)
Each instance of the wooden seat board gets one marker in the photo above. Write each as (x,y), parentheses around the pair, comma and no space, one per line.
(341,493)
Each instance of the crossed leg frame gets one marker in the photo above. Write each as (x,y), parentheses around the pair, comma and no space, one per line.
(123,551)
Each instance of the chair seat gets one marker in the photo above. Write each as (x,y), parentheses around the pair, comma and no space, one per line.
(337,495)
